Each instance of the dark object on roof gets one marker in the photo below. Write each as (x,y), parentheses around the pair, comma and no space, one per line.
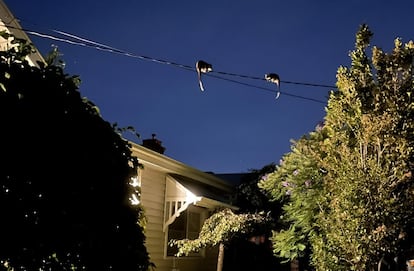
(153,144)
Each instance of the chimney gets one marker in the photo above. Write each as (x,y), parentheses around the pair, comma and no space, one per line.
(153,144)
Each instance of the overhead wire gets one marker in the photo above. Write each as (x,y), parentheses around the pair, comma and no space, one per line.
(81,41)
(266,89)
(98,46)
(282,81)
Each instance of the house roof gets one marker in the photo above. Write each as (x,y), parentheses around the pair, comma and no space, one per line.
(208,196)
(182,191)
(11,24)
(170,166)
(185,185)
(202,189)
(234,178)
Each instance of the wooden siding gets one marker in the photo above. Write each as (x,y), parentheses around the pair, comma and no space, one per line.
(152,198)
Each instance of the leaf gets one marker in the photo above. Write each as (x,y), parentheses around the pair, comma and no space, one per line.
(3,87)
(301,247)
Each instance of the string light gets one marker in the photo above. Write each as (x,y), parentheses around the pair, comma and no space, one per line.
(80,41)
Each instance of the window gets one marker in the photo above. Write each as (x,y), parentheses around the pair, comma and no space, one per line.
(187,225)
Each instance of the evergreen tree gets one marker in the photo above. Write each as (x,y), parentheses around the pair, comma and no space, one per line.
(65,176)
(362,214)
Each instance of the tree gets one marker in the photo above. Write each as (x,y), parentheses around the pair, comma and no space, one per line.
(359,164)
(220,229)
(297,183)
(68,199)
(251,199)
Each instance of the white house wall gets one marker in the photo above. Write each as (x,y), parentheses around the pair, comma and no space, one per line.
(153,184)
(152,198)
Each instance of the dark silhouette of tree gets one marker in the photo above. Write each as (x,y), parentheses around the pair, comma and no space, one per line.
(241,251)
(65,176)
(251,199)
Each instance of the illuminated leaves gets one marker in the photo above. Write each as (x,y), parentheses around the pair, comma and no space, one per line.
(359,206)
(221,227)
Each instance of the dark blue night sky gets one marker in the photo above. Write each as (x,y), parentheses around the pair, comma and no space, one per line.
(231,126)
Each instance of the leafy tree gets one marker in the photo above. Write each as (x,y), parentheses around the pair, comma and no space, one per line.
(66,176)
(297,182)
(220,229)
(358,209)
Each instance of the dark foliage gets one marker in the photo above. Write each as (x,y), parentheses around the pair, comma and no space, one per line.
(251,199)
(64,177)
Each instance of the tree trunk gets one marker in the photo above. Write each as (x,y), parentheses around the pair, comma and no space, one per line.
(220,257)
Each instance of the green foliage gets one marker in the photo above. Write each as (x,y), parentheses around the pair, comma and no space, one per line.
(293,244)
(18,49)
(54,58)
(297,182)
(64,178)
(359,208)
(222,227)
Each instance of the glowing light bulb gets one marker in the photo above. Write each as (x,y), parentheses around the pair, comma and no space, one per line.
(134,200)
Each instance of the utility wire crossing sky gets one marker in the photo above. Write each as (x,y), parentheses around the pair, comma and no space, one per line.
(236,123)
(80,41)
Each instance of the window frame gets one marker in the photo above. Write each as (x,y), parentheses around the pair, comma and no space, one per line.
(202,212)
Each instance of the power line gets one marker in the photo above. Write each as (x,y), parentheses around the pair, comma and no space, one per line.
(266,89)
(80,41)
(285,82)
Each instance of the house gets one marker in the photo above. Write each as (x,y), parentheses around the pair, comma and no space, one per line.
(177,199)
(11,25)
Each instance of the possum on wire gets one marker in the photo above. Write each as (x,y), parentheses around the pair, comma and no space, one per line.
(202,67)
(274,78)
